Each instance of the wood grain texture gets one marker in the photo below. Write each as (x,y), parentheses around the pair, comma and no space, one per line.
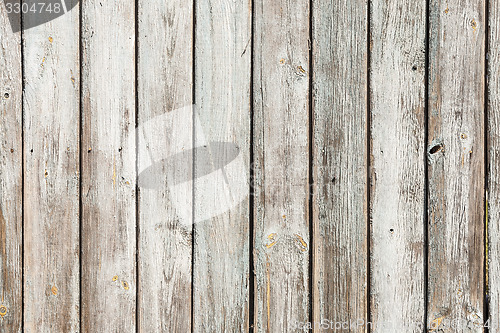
(340,160)
(221,197)
(456,164)
(51,175)
(11,280)
(397,174)
(281,148)
(108,167)
(493,167)
(165,75)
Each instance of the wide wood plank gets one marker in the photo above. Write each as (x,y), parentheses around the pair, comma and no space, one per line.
(222,158)
(340,162)
(108,167)
(165,91)
(281,129)
(11,302)
(456,165)
(397,168)
(51,175)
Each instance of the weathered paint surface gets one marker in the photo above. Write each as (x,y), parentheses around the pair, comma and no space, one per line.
(51,175)
(108,155)
(100,230)
(281,138)
(165,75)
(11,150)
(397,165)
(456,161)
(222,97)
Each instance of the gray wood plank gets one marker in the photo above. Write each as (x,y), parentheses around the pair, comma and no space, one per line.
(493,167)
(340,162)
(11,311)
(165,96)
(51,175)
(397,168)
(281,106)
(108,167)
(221,193)
(456,165)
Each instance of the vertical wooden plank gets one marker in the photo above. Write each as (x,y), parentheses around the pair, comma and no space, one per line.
(165,76)
(108,167)
(397,174)
(493,166)
(456,164)
(340,162)
(11,311)
(51,176)
(281,106)
(222,143)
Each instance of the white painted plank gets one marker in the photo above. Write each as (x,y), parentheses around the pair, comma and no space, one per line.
(51,175)
(493,167)
(11,302)
(108,167)
(165,129)
(281,106)
(340,157)
(222,158)
(456,165)
(397,167)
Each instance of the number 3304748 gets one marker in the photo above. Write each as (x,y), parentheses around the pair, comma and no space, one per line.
(39,7)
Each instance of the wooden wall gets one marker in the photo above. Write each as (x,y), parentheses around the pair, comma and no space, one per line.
(250,166)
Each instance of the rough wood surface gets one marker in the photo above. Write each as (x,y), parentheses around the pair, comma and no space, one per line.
(51,175)
(397,174)
(340,187)
(165,76)
(11,310)
(163,177)
(281,148)
(108,167)
(493,167)
(221,195)
(456,165)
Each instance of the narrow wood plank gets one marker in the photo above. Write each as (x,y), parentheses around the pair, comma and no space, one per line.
(397,173)
(340,162)
(456,165)
(281,106)
(11,310)
(108,167)
(165,72)
(493,167)
(51,175)
(221,193)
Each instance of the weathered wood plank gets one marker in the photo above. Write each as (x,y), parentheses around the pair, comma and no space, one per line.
(221,193)
(165,76)
(281,106)
(108,167)
(340,162)
(11,302)
(397,172)
(493,167)
(456,165)
(51,175)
